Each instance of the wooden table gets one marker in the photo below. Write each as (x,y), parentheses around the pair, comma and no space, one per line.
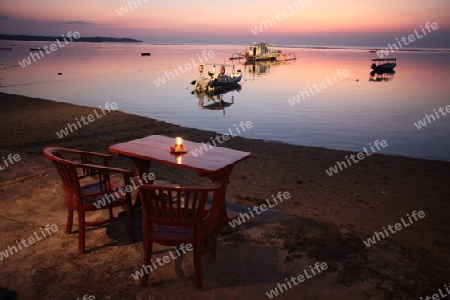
(216,163)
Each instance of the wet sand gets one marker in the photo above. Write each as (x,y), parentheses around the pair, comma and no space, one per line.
(326,219)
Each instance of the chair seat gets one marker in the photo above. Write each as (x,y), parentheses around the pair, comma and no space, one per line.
(177,234)
(95,188)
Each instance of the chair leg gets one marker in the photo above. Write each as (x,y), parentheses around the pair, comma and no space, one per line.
(81,232)
(214,246)
(131,222)
(69,221)
(148,250)
(198,267)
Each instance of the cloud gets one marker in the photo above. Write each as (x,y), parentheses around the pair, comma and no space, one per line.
(79,23)
(2,18)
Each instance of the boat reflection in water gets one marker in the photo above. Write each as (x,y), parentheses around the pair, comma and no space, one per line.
(262,67)
(215,101)
(379,76)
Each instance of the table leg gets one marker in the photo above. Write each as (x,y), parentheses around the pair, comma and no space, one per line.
(222,177)
(142,167)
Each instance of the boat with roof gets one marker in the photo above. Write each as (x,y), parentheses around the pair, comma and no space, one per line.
(383,64)
(262,52)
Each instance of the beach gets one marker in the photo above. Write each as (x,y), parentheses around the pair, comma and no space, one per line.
(327,219)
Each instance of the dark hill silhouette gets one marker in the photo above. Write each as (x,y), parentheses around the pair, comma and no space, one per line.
(39,38)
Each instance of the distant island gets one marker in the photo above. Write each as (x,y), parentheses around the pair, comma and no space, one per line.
(36,38)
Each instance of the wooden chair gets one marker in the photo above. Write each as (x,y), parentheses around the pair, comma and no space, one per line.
(173,216)
(81,196)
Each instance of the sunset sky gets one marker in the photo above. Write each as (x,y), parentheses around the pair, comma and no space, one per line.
(323,22)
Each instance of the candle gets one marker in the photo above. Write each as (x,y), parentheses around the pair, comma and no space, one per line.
(179,144)
(179,159)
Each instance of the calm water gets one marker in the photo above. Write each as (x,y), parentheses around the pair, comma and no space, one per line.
(347,114)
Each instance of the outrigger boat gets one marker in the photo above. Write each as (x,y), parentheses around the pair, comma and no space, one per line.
(261,52)
(383,64)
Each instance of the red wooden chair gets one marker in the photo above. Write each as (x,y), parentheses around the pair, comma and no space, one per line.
(173,216)
(86,183)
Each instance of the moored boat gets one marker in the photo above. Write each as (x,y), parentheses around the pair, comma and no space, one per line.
(262,52)
(216,82)
(230,81)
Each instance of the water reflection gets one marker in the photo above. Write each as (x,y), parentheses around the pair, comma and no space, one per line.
(261,67)
(215,100)
(381,76)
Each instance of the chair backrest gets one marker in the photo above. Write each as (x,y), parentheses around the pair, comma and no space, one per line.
(66,169)
(178,206)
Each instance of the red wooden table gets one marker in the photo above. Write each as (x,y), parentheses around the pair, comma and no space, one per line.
(216,163)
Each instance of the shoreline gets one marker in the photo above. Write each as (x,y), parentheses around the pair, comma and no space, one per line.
(326,218)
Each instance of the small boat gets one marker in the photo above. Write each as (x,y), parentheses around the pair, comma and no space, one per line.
(214,83)
(383,64)
(146,54)
(231,88)
(232,80)
(6,48)
(36,49)
(262,52)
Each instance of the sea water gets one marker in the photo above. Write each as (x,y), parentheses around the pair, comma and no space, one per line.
(308,101)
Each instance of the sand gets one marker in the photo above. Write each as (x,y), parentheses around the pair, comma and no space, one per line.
(326,219)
